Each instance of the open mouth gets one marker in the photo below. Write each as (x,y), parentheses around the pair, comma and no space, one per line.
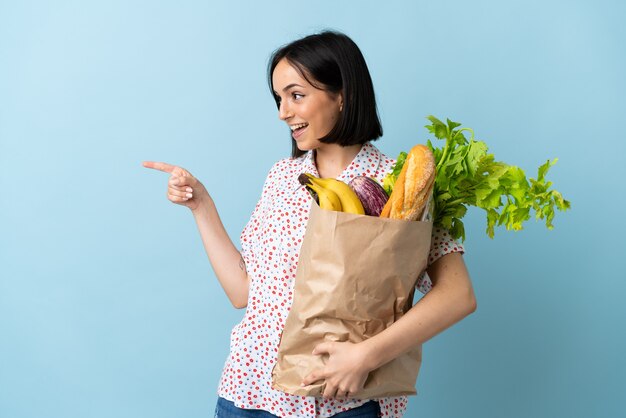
(299,129)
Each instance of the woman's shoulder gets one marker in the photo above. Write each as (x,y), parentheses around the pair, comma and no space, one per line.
(286,168)
(288,164)
(385,164)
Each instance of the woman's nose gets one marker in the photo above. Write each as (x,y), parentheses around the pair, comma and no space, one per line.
(283,111)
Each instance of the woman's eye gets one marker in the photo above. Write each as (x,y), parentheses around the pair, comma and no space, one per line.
(297,96)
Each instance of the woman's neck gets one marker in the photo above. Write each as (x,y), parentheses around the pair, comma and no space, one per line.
(332,159)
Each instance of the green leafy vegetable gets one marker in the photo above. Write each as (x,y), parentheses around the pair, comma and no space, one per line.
(467,175)
(390,180)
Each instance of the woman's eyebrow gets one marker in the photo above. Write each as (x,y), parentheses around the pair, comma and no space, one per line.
(290,86)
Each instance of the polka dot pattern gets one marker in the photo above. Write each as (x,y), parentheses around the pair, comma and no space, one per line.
(270,245)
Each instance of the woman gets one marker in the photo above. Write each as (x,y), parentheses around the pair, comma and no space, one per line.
(324,92)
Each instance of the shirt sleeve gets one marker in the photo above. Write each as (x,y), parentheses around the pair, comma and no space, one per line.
(251,232)
(441,243)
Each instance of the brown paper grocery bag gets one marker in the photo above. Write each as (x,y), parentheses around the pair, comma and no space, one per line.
(356,275)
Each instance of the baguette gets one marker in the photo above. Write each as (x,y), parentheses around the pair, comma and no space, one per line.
(413,186)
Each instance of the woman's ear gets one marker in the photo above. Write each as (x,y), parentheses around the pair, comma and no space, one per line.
(340,102)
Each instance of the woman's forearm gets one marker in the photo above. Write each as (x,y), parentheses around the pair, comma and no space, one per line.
(450,300)
(224,257)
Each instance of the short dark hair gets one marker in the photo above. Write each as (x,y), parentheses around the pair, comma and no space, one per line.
(331,61)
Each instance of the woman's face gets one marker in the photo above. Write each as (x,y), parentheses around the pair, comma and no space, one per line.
(310,113)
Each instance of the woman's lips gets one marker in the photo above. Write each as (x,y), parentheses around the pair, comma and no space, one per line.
(298,132)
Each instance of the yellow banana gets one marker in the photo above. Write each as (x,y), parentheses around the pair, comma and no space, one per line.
(350,202)
(328,199)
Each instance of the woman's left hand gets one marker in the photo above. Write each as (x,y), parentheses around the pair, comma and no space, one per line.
(346,369)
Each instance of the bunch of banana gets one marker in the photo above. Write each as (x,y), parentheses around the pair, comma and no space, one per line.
(333,194)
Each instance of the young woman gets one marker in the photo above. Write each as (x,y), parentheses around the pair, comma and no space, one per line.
(325,95)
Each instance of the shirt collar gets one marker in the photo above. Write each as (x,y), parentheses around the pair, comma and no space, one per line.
(368,157)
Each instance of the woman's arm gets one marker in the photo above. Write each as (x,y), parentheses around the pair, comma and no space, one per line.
(450,300)
(185,190)
(226,260)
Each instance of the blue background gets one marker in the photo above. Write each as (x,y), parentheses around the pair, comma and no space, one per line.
(108,305)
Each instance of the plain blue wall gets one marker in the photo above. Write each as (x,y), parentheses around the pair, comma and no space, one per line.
(108,305)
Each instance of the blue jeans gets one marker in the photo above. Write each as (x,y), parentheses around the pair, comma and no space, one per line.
(227,409)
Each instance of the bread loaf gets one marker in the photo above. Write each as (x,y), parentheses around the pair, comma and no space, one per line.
(413,186)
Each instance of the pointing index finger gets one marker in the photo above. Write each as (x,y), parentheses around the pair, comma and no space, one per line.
(168,168)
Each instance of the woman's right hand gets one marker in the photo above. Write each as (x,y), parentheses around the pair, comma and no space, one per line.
(183,188)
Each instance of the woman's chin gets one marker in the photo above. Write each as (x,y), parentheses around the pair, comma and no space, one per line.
(305,146)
